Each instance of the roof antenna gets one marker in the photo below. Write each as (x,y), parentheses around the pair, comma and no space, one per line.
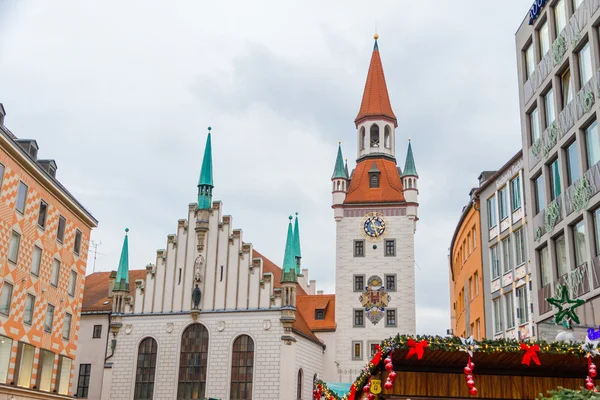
(95,246)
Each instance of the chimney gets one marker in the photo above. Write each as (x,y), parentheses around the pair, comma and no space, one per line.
(111,283)
(311,286)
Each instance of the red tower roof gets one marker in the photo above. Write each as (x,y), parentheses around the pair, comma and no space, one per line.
(390,188)
(375,101)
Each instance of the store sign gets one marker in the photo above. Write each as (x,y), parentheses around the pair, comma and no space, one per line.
(535,10)
(593,334)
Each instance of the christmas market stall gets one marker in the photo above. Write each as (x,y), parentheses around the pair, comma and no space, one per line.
(461,368)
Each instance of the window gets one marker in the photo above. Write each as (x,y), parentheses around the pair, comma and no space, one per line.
(359,318)
(579,241)
(545,271)
(1,178)
(515,193)
(503,195)
(566,90)
(83,381)
(6,298)
(522,311)
(476,280)
(554,180)
(374,180)
(362,138)
(497,316)
(146,369)
(42,214)
(390,247)
(534,125)
(495,262)
(25,356)
(55,272)
(374,135)
(520,247)
(193,363)
(13,247)
(60,233)
(21,198)
(387,137)
(471,291)
(47,365)
(36,260)
(585,64)
(544,34)
(572,163)
(319,314)
(529,60)
(77,244)
(97,333)
(561,256)
(390,282)
(597,230)
(472,330)
(470,243)
(299,388)
(507,255)
(72,283)
(5,351)
(359,248)
(49,320)
(474,238)
(29,308)
(491,210)
(242,368)
(576,4)
(64,374)
(372,348)
(359,283)
(67,326)
(478,327)
(549,107)
(510,313)
(592,142)
(390,317)
(357,350)
(540,199)
(560,16)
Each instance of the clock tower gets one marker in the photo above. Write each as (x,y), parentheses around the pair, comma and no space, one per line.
(375,209)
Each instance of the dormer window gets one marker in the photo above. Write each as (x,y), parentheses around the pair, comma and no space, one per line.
(374,176)
(319,314)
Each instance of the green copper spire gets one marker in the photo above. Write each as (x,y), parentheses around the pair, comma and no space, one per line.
(289,258)
(409,165)
(339,170)
(122,280)
(297,252)
(205,183)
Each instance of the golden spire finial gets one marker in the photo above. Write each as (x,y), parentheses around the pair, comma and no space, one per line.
(375,36)
(340,142)
(409,139)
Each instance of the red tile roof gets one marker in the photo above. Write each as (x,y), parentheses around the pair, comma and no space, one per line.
(390,188)
(307,305)
(375,101)
(95,292)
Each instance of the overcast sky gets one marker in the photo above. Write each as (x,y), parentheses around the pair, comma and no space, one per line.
(120,93)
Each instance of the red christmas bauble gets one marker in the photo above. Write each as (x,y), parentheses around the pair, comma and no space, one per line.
(366,388)
(392,375)
(371,396)
(592,365)
(389,367)
(473,391)
(387,360)
(589,386)
(470,383)
(467,370)
(388,385)
(593,373)
(468,377)
(588,379)
(472,365)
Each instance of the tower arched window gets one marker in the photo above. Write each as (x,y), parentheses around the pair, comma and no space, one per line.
(242,368)
(374,181)
(193,363)
(146,369)
(339,185)
(387,134)
(362,138)
(299,388)
(374,135)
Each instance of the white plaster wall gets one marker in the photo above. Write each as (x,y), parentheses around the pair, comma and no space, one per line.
(222,261)
(180,265)
(309,357)
(329,373)
(91,351)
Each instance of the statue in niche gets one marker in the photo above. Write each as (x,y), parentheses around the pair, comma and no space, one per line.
(197,270)
(196,297)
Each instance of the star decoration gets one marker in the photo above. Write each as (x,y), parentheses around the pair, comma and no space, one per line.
(590,347)
(468,345)
(565,300)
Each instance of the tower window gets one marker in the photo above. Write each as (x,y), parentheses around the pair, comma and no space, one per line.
(374,181)
(387,140)
(359,318)
(357,350)
(390,247)
(363,138)
(359,283)
(374,135)
(390,283)
(359,248)
(319,314)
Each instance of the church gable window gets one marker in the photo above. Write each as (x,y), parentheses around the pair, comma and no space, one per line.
(242,368)
(299,389)
(146,369)
(193,363)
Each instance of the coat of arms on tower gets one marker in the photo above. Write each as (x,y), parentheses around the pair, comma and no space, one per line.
(374,299)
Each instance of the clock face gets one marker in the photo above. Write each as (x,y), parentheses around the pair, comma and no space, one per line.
(374,226)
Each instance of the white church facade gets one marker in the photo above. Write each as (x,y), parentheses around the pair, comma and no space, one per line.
(211,317)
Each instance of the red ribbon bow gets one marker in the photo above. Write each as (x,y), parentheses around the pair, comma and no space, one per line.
(377,358)
(417,348)
(530,354)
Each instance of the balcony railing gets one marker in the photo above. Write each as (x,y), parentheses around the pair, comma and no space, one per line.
(577,282)
(579,193)
(545,221)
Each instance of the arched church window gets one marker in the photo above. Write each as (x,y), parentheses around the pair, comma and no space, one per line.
(193,363)
(410,183)
(339,184)
(299,388)
(374,135)
(387,137)
(374,181)
(242,368)
(362,138)
(146,369)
